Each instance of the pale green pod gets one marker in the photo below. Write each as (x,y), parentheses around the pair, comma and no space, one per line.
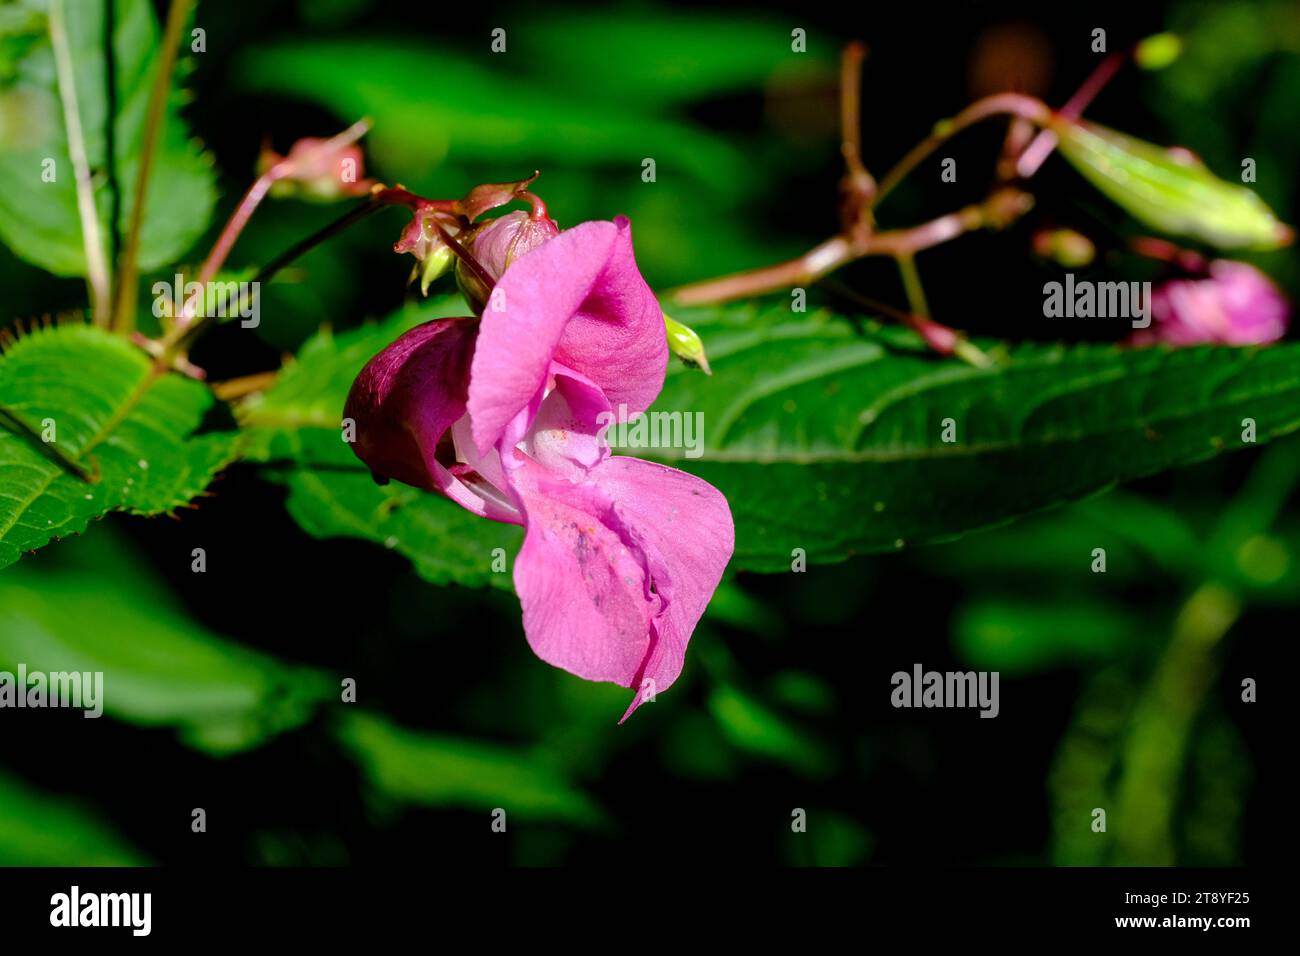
(1172,192)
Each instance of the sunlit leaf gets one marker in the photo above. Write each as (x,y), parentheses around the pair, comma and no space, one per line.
(666,55)
(831,440)
(432,105)
(38,214)
(87,426)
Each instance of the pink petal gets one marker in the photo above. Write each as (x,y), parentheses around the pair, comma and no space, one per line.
(685,527)
(617,570)
(577,299)
(581,581)
(565,436)
(406,399)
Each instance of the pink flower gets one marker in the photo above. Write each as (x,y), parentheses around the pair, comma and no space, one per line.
(502,415)
(1234,304)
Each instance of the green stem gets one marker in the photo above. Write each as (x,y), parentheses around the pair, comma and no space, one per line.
(1161,725)
(956,343)
(123,316)
(912,287)
(97,277)
(1001,104)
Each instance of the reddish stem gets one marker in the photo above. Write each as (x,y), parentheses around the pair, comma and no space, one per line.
(1000,104)
(1036,152)
(1000,208)
(283,169)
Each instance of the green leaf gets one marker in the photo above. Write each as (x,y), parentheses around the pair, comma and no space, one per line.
(664,55)
(1174,193)
(753,727)
(468,110)
(438,770)
(107,414)
(295,429)
(331,495)
(1017,637)
(39,219)
(39,829)
(829,440)
(99,608)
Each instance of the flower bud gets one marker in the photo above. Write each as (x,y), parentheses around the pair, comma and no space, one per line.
(1066,247)
(422,239)
(495,244)
(686,344)
(1158,51)
(319,169)
(1234,304)
(435,265)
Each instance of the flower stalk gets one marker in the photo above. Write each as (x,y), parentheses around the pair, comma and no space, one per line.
(860,195)
(123,312)
(97,277)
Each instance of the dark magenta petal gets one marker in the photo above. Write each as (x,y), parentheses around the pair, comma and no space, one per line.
(406,400)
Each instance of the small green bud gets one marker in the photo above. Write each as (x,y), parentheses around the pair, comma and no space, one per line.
(1158,51)
(686,344)
(434,266)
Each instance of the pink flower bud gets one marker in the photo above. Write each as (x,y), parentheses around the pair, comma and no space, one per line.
(1235,304)
(320,169)
(495,244)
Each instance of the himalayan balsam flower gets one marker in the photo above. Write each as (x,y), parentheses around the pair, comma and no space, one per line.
(1234,304)
(500,414)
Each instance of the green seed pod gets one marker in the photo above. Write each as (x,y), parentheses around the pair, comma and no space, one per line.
(1170,191)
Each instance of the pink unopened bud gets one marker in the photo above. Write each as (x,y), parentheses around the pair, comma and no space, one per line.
(1235,304)
(495,244)
(321,169)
